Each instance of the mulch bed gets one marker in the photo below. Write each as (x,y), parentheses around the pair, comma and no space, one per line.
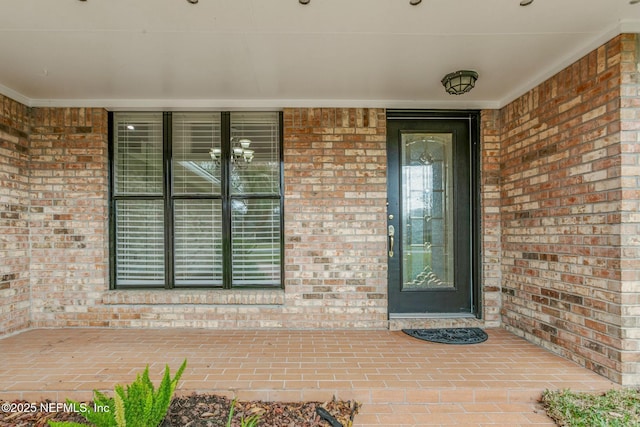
(198,410)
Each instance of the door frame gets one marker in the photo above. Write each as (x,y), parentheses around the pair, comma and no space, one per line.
(473,117)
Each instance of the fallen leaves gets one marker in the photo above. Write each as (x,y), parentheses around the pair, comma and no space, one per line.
(207,410)
(210,410)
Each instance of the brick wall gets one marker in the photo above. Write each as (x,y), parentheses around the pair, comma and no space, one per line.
(335,217)
(14,211)
(335,184)
(491,267)
(630,208)
(335,230)
(562,231)
(69,246)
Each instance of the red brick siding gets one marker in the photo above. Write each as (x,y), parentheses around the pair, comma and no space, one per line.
(335,180)
(490,221)
(14,212)
(69,183)
(335,230)
(630,209)
(335,216)
(561,219)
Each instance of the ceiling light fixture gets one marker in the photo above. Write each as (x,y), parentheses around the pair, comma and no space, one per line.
(525,2)
(415,2)
(634,2)
(459,82)
(193,1)
(304,1)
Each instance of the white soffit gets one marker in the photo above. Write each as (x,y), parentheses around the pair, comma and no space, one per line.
(259,54)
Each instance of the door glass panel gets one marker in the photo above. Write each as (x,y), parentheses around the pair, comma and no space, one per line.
(427,199)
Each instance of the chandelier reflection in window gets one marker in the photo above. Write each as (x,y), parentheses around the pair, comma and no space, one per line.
(240,152)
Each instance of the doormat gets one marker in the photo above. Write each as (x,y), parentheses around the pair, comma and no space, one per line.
(449,335)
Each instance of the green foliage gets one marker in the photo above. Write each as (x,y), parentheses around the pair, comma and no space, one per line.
(252,421)
(139,405)
(615,408)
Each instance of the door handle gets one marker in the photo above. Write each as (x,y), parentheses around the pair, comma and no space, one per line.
(392,233)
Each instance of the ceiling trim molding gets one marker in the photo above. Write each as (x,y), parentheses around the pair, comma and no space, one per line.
(16,96)
(626,26)
(256,104)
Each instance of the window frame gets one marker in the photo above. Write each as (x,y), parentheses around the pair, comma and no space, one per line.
(226,197)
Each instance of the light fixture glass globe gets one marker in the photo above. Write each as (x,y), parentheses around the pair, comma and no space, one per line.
(460,82)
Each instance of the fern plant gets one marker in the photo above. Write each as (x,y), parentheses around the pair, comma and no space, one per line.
(252,421)
(137,405)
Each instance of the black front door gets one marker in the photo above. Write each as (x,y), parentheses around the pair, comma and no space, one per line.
(431,225)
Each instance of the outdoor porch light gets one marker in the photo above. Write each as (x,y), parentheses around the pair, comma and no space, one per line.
(459,82)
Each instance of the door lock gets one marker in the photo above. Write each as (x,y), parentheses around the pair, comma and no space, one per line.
(392,233)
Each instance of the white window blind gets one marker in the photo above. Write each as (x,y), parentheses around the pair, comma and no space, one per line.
(255,223)
(194,136)
(256,242)
(139,228)
(262,175)
(140,243)
(138,154)
(198,243)
(230,201)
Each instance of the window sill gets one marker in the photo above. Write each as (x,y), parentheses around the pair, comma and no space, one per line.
(195,296)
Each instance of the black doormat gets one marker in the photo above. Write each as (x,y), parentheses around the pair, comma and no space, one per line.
(449,335)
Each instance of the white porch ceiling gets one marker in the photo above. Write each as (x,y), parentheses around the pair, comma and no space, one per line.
(170,54)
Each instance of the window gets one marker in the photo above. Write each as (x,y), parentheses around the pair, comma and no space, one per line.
(196,200)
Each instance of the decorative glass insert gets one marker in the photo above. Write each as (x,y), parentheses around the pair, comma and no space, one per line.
(427,195)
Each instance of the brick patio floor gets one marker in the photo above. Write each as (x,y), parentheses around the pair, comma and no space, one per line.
(399,380)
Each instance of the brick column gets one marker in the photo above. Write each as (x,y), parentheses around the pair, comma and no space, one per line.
(69,237)
(630,208)
(335,217)
(490,221)
(14,211)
